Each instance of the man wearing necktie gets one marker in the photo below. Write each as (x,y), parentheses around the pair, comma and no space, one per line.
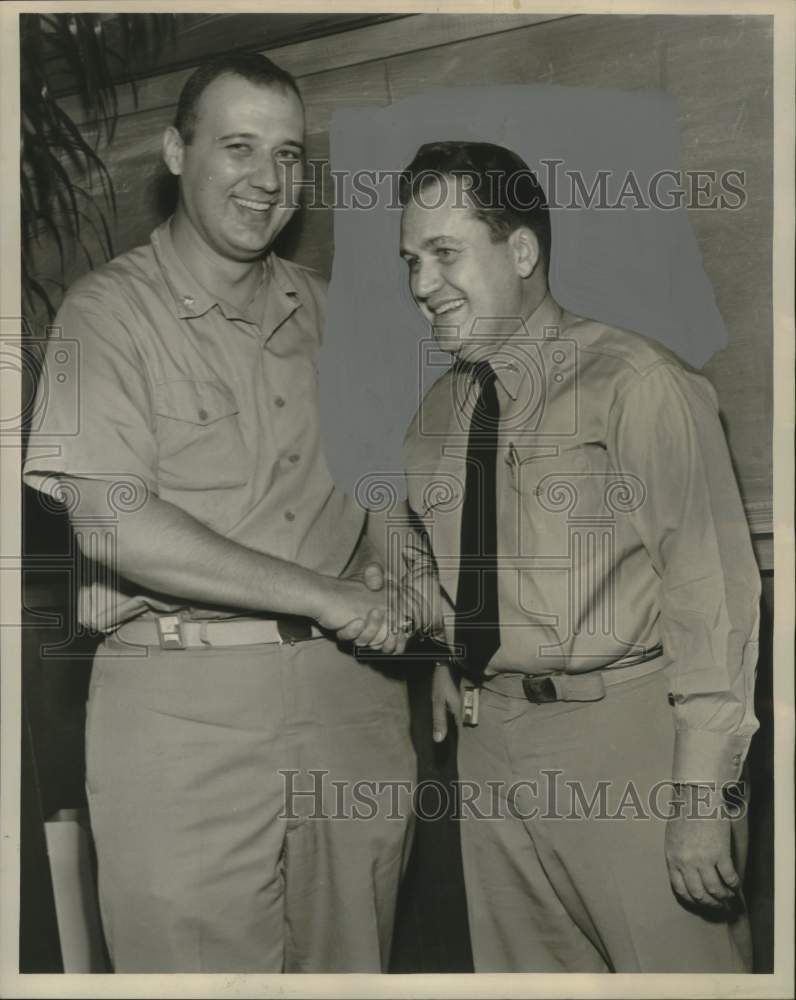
(601,597)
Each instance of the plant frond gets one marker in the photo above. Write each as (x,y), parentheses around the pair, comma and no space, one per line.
(60,162)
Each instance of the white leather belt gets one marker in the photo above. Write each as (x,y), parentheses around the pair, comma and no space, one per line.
(174,632)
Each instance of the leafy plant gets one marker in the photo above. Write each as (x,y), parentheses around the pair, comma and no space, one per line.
(66,188)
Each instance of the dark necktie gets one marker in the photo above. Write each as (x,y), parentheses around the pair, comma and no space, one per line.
(477,619)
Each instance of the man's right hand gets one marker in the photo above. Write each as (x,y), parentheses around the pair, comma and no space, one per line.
(363,612)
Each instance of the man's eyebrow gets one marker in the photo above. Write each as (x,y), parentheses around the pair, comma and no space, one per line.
(253,135)
(237,135)
(433,241)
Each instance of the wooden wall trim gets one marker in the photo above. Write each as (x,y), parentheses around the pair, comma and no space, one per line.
(760,515)
(348,48)
(410,34)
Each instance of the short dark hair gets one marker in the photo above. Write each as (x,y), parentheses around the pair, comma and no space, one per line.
(250,65)
(505,193)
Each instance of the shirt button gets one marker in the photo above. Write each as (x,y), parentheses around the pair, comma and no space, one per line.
(188,300)
(736,759)
(279,401)
(293,459)
(203,415)
(289,515)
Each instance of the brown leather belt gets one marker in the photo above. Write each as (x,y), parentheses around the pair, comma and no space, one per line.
(543,688)
(174,632)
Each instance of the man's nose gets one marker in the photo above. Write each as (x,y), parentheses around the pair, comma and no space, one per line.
(426,279)
(266,174)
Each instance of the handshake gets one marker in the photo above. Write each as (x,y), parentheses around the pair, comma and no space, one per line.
(380,610)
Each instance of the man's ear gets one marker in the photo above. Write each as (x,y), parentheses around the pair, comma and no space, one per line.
(526,250)
(173,150)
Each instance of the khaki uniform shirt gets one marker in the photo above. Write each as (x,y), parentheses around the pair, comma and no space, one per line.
(620,526)
(211,407)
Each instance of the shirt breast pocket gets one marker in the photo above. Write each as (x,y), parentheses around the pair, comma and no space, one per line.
(200,445)
(558,493)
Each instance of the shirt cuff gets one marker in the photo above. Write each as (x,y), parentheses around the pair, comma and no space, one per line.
(704,757)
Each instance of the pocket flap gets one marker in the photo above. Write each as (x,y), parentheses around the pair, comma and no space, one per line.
(194,402)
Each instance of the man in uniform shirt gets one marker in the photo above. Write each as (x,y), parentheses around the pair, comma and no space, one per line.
(605,598)
(235,566)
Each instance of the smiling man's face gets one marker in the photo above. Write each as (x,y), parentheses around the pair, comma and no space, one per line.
(470,288)
(238,173)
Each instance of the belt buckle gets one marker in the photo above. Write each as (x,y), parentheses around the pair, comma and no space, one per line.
(170,632)
(539,690)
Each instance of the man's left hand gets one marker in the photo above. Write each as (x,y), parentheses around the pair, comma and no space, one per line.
(698,853)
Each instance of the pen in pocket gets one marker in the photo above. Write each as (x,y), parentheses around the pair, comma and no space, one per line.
(513,458)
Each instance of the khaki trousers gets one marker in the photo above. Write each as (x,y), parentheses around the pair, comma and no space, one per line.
(554,887)
(209,858)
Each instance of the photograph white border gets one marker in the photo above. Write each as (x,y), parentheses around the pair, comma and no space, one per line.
(778,984)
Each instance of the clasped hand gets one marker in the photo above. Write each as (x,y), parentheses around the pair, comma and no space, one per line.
(371,610)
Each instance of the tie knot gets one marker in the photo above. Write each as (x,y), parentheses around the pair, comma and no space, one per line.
(483,373)
(480,372)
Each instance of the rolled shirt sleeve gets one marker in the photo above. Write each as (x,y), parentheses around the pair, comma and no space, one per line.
(665,429)
(100,425)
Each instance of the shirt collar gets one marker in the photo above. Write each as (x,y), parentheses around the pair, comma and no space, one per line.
(281,295)
(192,299)
(509,360)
